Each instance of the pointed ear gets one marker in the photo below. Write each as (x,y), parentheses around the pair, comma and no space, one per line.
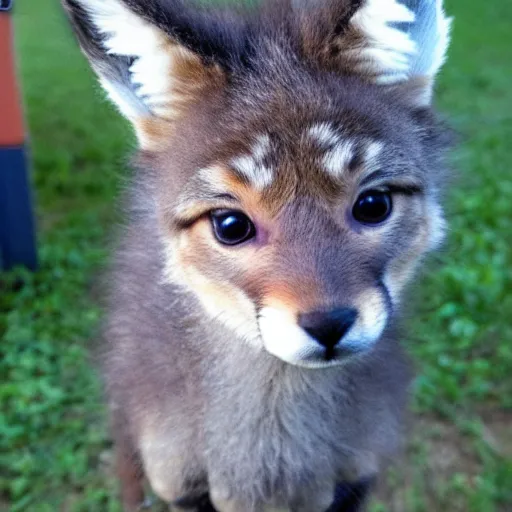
(382,41)
(151,58)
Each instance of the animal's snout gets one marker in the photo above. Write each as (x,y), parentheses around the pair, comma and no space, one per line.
(328,327)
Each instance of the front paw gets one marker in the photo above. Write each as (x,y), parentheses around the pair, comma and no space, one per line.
(200,503)
(351,497)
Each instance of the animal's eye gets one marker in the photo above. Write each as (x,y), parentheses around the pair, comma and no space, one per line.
(232,227)
(372,207)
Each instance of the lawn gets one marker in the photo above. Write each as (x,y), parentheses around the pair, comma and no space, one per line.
(54,447)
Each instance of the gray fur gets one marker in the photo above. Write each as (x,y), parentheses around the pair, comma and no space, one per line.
(196,407)
(265,429)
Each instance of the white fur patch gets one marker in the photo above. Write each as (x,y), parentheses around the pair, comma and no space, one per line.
(261,148)
(401,43)
(323,134)
(388,49)
(336,160)
(372,153)
(127,34)
(157,466)
(127,103)
(252,166)
(283,338)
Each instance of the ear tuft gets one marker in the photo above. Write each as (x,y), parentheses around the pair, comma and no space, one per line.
(125,34)
(149,74)
(384,50)
(400,40)
(404,43)
(382,41)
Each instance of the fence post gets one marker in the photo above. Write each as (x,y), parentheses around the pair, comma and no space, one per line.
(17,234)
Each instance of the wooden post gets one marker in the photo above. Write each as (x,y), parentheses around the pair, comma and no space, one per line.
(17,238)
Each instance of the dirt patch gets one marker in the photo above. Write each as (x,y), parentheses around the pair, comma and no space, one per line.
(442,463)
(497,431)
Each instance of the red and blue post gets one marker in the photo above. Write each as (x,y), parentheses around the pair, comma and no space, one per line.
(17,233)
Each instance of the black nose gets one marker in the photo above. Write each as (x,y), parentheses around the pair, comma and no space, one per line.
(328,327)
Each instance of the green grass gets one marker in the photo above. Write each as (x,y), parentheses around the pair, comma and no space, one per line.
(53,441)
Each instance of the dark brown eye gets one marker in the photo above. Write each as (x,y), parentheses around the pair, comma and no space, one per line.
(372,207)
(232,227)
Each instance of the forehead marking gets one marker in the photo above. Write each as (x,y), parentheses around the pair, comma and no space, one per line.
(323,133)
(337,159)
(372,153)
(346,154)
(253,166)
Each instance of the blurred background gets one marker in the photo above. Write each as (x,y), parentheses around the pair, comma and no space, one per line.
(54,445)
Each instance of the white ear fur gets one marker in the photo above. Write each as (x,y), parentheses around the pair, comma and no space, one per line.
(386,50)
(128,35)
(401,42)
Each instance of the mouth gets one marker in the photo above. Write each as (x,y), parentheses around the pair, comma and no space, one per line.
(333,355)
(341,353)
(319,357)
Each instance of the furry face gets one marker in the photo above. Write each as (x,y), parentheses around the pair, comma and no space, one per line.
(295,199)
(330,176)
